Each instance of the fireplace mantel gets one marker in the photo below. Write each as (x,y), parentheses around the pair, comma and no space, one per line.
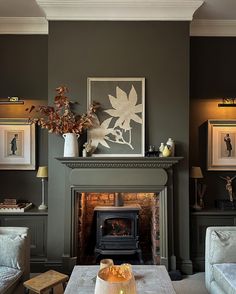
(124,174)
(119,162)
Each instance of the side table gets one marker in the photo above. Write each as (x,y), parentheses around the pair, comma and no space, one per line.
(46,281)
(148,278)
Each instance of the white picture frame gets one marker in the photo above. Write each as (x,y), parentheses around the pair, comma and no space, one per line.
(17,144)
(119,126)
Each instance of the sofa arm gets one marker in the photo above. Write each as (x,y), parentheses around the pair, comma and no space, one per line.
(220,248)
(15,248)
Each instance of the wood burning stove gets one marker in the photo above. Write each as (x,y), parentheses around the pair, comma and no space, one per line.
(117,230)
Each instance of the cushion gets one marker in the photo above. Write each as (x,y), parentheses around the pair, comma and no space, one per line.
(223,247)
(8,276)
(225,276)
(12,248)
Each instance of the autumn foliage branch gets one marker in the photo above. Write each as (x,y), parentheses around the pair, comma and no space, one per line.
(60,119)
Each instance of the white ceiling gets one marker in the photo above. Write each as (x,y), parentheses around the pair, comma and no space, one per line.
(212,13)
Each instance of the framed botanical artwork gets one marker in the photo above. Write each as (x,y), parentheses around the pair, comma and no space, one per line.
(17,144)
(119,123)
(221,153)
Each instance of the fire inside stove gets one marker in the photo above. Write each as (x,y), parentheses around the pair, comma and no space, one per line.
(117,227)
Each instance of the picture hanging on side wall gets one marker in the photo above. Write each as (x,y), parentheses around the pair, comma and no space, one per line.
(221,153)
(119,123)
(17,144)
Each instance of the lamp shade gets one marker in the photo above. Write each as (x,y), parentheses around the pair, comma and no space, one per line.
(196,172)
(42,172)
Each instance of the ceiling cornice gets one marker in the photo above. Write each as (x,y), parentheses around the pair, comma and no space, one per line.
(213,28)
(23,25)
(119,9)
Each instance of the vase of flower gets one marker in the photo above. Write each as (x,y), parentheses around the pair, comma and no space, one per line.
(71,145)
(61,120)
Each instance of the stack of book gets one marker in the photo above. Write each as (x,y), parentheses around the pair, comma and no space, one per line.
(11,205)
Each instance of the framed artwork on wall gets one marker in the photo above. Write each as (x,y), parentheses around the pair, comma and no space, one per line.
(221,154)
(17,144)
(119,123)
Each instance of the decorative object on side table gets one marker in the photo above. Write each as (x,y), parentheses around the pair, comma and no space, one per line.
(116,279)
(196,173)
(43,174)
(229,187)
(201,189)
(229,203)
(12,205)
(60,119)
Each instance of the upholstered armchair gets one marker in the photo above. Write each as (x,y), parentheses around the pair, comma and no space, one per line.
(14,259)
(220,260)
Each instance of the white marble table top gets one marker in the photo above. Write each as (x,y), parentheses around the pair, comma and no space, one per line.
(150,279)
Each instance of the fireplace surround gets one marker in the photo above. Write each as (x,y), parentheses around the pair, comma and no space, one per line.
(154,175)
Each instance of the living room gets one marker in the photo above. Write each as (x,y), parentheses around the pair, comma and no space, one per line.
(186,78)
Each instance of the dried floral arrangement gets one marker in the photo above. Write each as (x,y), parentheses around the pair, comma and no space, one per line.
(60,119)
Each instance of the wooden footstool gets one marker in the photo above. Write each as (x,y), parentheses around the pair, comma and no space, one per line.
(43,283)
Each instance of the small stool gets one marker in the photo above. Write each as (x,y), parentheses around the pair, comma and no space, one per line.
(43,283)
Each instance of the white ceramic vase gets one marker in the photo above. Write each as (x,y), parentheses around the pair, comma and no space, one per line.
(171,144)
(71,148)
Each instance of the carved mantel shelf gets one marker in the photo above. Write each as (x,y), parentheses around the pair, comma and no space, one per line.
(119,162)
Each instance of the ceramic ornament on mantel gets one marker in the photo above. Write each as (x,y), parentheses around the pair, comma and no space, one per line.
(71,148)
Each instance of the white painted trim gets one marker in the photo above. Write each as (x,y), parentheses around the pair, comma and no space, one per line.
(219,28)
(119,9)
(23,25)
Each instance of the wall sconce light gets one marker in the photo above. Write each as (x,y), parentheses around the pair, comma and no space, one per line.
(227,102)
(43,174)
(12,101)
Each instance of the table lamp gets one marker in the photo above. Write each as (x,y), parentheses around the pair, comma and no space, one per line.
(43,174)
(196,173)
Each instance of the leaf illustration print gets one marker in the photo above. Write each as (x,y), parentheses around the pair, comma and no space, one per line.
(125,108)
(99,133)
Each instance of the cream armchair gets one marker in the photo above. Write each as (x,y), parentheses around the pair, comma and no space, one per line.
(14,259)
(220,260)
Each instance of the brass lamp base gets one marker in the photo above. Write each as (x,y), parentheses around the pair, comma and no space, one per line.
(42,207)
(196,207)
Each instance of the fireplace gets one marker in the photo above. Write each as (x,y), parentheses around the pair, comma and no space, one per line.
(117,230)
(133,175)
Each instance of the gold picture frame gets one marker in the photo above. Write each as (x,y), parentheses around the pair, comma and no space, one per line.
(221,150)
(17,144)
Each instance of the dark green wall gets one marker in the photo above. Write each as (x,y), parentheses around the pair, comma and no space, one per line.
(212,76)
(24,73)
(158,51)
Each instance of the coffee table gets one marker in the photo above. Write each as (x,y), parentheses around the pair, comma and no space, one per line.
(150,279)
